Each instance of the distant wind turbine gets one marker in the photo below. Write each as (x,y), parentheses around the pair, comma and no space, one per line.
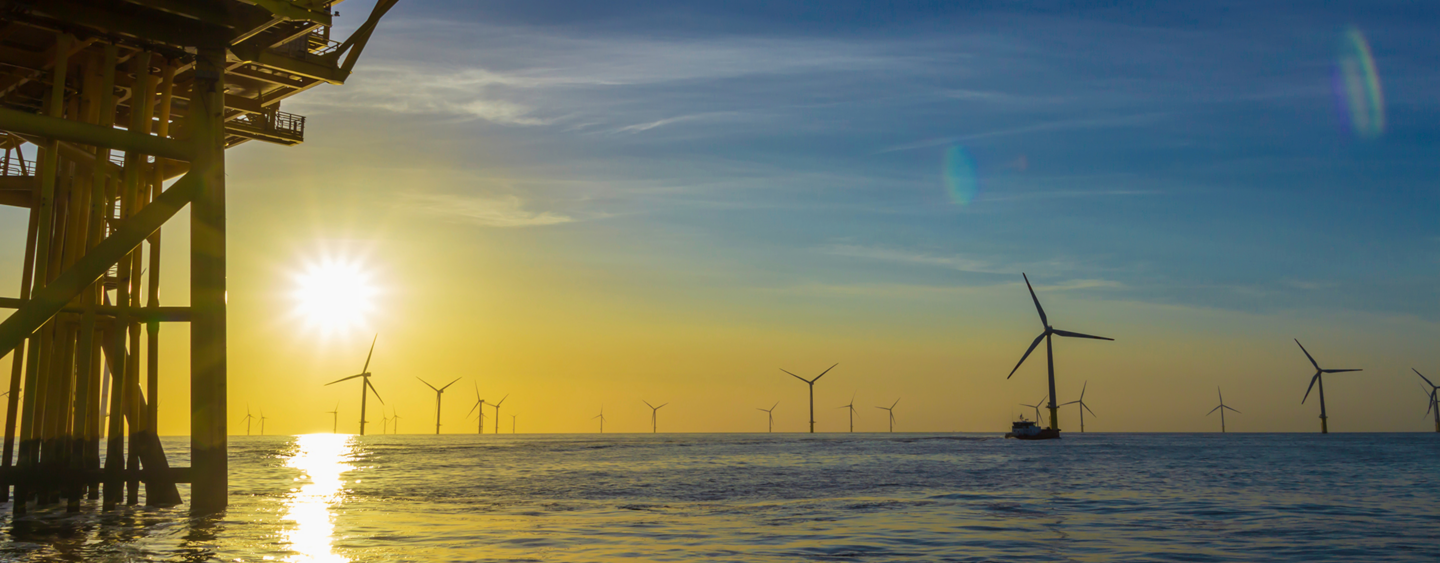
(479,405)
(1222,408)
(262,422)
(438,393)
(770,414)
(497,412)
(1036,406)
(1324,420)
(1049,352)
(385,422)
(248,417)
(654,426)
(600,416)
(335,419)
(1434,399)
(1083,407)
(891,410)
(811,383)
(365,387)
(851,406)
(512,424)
(395,421)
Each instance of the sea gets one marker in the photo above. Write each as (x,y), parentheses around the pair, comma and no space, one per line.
(783,497)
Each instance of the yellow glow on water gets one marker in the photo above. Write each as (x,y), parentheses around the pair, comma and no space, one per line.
(321,459)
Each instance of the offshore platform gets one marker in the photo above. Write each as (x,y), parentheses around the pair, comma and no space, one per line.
(116,99)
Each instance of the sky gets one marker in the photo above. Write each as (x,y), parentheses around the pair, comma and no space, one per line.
(587,206)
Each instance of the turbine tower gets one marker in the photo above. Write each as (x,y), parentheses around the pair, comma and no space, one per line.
(1083,407)
(438,393)
(1324,420)
(497,413)
(480,405)
(1222,408)
(1434,406)
(395,421)
(811,383)
(1049,352)
(248,417)
(891,410)
(653,411)
(262,422)
(335,419)
(770,414)
(851,406)
(600,416)
(365,386)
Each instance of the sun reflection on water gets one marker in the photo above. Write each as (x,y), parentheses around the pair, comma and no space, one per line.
(321,459)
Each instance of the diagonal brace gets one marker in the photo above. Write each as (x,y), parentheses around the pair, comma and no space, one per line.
(49,300)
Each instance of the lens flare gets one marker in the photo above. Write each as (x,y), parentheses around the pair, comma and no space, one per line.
(1358,96)
(959,175)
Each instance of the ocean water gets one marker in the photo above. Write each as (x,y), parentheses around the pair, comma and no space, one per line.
(785,497)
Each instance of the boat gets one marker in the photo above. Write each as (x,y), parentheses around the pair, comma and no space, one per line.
(1027,430)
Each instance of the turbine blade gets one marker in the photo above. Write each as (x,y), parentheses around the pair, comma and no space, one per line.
(427,384)
(1027,353)
(1231,410)
(772,407)
(1082,390)
(1307,354)
(372,388)
(447,385)
(1079,335)
(502,401)
(1312,386)
(1087,409)
(892,405)
(1043,320)
(372,353)
(647,403)
(795,376)
(1339,370)
(1422,376)
(1212,411)
(1068,404)
(1221,395)
(472,409)
(346,379)
(661,406)
(822,374)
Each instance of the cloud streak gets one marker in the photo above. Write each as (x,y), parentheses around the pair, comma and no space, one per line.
(486,211)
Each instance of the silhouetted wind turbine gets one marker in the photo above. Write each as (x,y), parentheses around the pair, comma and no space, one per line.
(1324,420)
(653,418)
(1434,405)
(1049,352)
(600,416)
(770,413)
(335,419)
(384,422)
(479,404)
(497,412)
(811,383)
(1083,407)
(891,410)
(247,419)
(512,424)
(1222,408)
(438,393)
(851,406)
(395,421)
(262,422)
(1035,406)
(365,386)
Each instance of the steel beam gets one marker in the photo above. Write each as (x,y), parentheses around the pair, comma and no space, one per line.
(59,129)
(208,441)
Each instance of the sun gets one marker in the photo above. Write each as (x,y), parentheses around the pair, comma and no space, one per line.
(334,296)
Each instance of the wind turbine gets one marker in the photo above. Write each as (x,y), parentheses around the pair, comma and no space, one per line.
(512,424)
(1049,352)
(438,393)
(600,416)
(497,412)
(365,387)
(811,383)
(1222,408)
(1084,407)
(385,422)
(891,410)
(395,421)
(851,406)
(247,419)
(335,419)
(770,412)
(653,411)
(479,404)
(1035,406)
(262,422)
(1324,420)
(1434,405)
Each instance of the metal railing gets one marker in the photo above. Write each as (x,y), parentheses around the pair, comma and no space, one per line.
(273,122)
(16,167)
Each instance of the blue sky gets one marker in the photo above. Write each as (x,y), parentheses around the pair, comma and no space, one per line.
(1186,153)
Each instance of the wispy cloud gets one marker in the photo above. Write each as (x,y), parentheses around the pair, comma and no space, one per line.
(953,262)
(487,211)
(1133,120)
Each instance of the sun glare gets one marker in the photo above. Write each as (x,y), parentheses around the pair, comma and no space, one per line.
(334,296)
